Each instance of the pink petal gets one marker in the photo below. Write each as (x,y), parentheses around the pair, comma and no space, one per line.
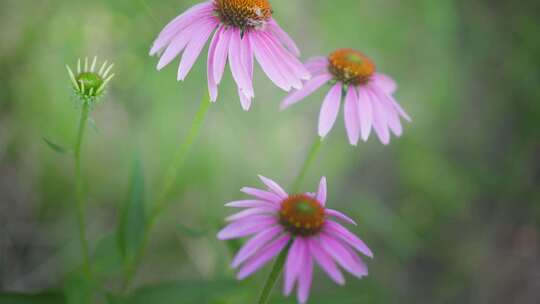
(305,278)
(330,109)
(298,69)
(274,187)
(194,48)
(391,114)
(379,119)
(317,65)
(345,235)
(238,70)
(178,24)
(309,87)
(340,253)
(222,50)
(340,216)
(263,256)
(250,204)
(254,244)
(325,261)
(281,61)
(384,82)
(352,123)
(212,85)
(293,264)
(284,37)
(245,101)
(267,62)
(247,227)
(365,113)
(321,192)
(261,194)
(250,212)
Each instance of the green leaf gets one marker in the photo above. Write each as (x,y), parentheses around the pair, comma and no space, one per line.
(48,297)
(133,214)
(55,147)
(77,289)
(107,259)
(185,292)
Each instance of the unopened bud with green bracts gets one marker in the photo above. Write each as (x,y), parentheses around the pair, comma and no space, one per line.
(89,83)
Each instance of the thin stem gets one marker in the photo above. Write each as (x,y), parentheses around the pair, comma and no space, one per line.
(280,261)
(160,202)
(79,188)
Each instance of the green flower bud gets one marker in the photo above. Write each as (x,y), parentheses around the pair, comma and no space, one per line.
(89,83)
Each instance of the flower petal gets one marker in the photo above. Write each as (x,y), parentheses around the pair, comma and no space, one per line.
(264,255)
(385,82)
(293,264)
(305,278)
(283,37)
(273,186)
(194,48)
(212,85)
(261,194)
(238,70)
(325,261)
(339,215)
(317,65)
(250,212)
(379,119)
(220,57)
(321,192)
(254,244)
(330,109)
(309,87)
(267,62)
(281,61)
(250,204)
(339,253)
(246,227)
(365,113)
(345,235)
(352,123)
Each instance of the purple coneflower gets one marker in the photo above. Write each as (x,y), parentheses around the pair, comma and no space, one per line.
(368,96)
(276,219)
(241,29)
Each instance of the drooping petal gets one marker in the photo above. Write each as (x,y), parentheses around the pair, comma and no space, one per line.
(340,216)
(309,87)
(305,278)
(263,256)
(365,113)
(212,85)
(245,101)
(247,227)
(321,192)
(379,119)
(325,261)
(222,50)
(352,123)
(195,13)
(281,61)
(254,244)
(385,82)
(341,255)
(345,235)
(298,69)
(246,58)
(267,62)
(274,187)
(239,72)
(330,109)
(261,194)
(283,37)
(194,48)
(293,264)
(391,113)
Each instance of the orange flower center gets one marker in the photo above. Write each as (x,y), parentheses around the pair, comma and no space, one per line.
(243,13)
(301,215)
(351,66)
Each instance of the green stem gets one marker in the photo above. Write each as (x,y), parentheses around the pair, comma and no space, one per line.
(79,188)
(280,261)
(160,202)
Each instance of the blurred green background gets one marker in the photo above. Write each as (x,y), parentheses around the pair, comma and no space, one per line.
(451,209)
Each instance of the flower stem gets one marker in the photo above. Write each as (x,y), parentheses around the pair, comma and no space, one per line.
(280,261)
(160,202)
(79,188)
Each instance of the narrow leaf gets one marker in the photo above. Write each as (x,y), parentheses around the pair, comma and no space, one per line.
(55,147)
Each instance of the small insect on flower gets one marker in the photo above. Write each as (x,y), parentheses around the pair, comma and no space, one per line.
(241,29)
(368,96)
(89,83)
(276,219)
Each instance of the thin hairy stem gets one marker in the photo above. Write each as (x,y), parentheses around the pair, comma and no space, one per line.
(160,202)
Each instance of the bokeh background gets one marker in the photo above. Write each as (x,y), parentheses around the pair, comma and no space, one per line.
(451,209)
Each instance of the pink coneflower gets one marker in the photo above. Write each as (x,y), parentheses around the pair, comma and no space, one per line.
(368,96)
(276,219)
(242,29)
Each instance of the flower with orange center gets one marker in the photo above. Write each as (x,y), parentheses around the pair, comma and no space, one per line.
(243,13)
(367,96)
(240,32)
(275,219)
